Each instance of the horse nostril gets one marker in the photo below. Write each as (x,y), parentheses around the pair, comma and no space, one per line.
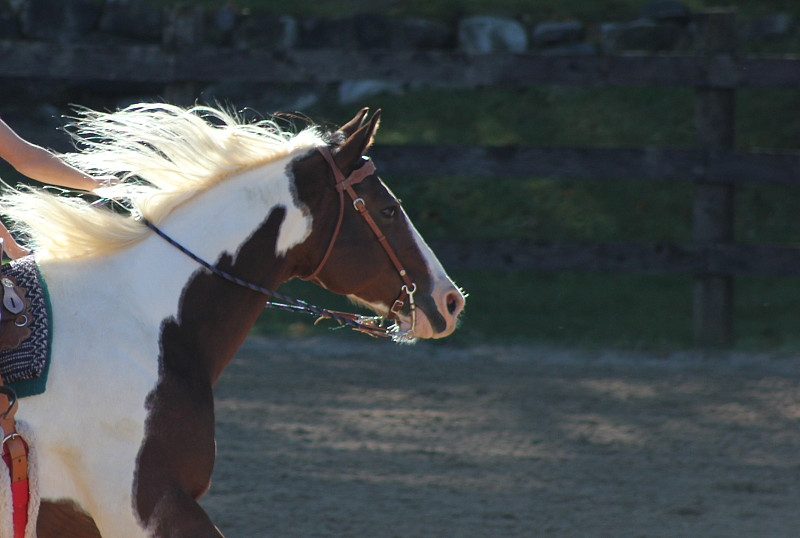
(454,302)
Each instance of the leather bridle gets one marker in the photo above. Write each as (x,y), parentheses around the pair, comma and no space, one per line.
(345,184)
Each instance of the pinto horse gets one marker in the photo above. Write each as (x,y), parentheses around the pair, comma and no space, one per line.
(125,429)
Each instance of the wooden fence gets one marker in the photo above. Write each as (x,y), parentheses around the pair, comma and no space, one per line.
(713,165)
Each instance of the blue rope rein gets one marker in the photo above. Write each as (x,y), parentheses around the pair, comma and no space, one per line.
(291,304)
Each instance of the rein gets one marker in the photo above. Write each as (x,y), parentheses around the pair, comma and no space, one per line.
(371,325)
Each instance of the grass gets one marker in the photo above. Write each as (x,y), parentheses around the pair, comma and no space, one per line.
(587,310)
(558,209)
(539,115)
(558,115)
(591,309)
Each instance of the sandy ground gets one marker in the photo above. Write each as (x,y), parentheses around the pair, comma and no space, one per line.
(326,436)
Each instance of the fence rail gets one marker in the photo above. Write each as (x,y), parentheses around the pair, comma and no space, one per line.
(150,63)
(715,71)
(646,258)
(712,165)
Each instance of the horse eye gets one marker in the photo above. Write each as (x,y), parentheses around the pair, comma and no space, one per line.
(389,213)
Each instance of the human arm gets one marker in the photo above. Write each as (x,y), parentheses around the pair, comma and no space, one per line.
(37,163)
(10,245)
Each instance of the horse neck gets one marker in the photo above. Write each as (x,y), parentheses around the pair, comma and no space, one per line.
(244,226)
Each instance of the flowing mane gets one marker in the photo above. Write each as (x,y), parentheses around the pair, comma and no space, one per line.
(164,155)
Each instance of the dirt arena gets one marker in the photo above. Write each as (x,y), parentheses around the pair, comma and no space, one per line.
(327,436)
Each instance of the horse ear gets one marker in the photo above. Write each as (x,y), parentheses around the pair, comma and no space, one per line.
(349,153)
(349,128)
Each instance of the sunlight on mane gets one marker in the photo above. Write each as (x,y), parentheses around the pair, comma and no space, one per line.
(164,154)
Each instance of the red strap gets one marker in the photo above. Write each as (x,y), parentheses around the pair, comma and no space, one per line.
(15,456)
(20,493)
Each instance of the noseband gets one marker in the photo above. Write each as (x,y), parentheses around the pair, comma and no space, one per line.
(343,184)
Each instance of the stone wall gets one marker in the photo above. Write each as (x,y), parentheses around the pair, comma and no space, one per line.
(662,26)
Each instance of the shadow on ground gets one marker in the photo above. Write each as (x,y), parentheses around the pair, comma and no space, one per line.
(324,436)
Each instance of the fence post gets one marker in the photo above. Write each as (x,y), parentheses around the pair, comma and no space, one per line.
(713,212)
(183,31)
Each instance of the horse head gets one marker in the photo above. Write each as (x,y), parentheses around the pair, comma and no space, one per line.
(364,245)
(329,217)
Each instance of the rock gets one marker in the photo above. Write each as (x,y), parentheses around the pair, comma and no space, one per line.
(132,19)
(302,101)
(666,11)
(267,32)
(372,31)
(220,25)
(183,27)
(323,33)
(224,19)
(550,34)
(9,23)
(420,34)
(262,97)
(355,91)
(771,27)
(478,35)
(363,32)
(640,35)
(581,48)
(60,21)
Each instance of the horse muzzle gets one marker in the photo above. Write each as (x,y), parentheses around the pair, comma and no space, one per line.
(436,314)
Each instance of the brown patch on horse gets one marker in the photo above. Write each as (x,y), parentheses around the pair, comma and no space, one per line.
(64,519)
(176,458)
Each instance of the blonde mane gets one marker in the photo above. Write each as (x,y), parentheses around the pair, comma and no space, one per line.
(163,154)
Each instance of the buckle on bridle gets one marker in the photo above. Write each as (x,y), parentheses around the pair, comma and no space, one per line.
(396,307)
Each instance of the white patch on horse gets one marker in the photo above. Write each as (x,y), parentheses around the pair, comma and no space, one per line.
(250,197)
(104,371)
(435,268)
